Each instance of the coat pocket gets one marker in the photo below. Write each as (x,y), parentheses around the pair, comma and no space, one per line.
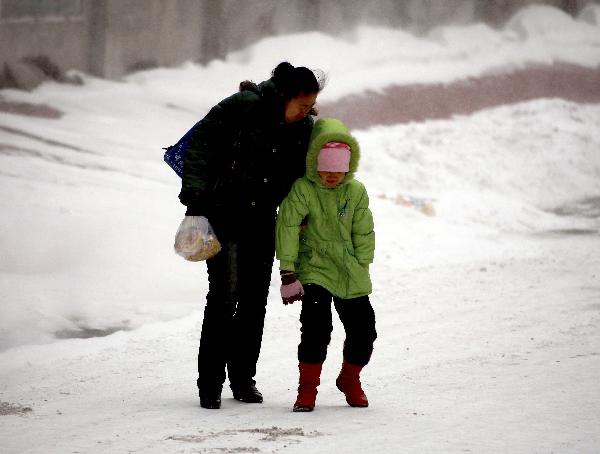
(359,280)
(318,256)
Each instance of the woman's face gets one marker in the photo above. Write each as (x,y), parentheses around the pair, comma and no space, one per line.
(297,108)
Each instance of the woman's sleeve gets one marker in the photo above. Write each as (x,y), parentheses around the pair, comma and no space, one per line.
(363,234)
(211,140)
(292,211)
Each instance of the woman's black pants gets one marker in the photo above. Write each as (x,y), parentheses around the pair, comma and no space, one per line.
(238,285)
(357,316)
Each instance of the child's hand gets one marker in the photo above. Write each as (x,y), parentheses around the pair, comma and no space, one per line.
(291,288)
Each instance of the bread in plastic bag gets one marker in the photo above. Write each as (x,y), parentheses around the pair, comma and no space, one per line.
(195,239)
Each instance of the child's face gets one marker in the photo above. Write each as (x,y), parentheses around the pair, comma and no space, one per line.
(331,179)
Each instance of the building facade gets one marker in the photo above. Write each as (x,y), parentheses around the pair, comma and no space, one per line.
(110,38)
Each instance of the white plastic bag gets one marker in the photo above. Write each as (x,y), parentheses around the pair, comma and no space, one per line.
(195,239)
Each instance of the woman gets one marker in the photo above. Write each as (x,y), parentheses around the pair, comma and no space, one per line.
(241,162)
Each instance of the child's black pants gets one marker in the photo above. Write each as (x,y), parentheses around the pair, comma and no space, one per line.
(357,316)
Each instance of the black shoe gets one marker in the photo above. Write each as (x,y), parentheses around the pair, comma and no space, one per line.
(247,393)
(211,400)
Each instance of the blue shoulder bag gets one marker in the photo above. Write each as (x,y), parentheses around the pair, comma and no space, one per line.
(175,154)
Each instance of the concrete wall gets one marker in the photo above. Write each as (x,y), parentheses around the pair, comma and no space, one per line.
(109,38)
(62,40)
(238,23)
(150,33)
(242,23)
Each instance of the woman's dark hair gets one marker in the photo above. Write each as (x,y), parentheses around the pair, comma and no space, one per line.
(291,81)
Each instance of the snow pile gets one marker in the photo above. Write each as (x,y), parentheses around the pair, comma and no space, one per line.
(93,209)
(369,58)
(503,168)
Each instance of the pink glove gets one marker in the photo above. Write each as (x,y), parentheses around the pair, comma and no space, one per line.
(291,288)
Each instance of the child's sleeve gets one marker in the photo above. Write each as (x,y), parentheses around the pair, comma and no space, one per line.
(363,235)
(287,232)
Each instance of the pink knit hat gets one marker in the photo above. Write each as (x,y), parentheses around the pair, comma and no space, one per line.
(334,157)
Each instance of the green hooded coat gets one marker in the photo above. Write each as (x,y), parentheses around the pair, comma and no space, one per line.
(336,242)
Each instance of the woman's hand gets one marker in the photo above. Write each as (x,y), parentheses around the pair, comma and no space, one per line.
(195,239)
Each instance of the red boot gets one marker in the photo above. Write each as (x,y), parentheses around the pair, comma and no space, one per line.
(348,382)
(310,378)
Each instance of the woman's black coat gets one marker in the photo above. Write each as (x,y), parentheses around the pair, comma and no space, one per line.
(243,158)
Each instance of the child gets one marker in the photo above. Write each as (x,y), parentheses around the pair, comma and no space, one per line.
(325,243)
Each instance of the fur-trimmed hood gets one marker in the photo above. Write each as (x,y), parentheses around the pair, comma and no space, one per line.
(330,130)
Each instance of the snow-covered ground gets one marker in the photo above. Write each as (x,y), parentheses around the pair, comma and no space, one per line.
(488,312)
